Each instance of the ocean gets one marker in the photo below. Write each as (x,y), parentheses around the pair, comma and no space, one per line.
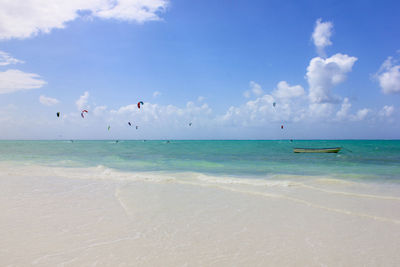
(358,159)
(199,203)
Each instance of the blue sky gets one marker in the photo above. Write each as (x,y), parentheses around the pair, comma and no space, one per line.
(331,67)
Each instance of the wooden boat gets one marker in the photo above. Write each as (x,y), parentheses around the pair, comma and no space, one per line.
(317,150)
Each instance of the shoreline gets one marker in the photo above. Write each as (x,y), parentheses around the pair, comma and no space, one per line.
(56,217)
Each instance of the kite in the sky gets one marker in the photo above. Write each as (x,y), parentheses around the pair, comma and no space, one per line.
(83,111)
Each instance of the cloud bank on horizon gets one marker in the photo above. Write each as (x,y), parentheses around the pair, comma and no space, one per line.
(264,108)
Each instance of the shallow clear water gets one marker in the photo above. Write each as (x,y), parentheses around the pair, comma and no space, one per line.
(359,159)
(199,203)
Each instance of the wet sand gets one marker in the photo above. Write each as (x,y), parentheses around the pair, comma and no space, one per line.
(97,216)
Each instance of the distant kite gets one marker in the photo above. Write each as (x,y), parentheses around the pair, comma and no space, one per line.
(129,123)
(190,124)
(83,111)
(140,103)
(281,126)
(58,114)
(109,127)
(274,104)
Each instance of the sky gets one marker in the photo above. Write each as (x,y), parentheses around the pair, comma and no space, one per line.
(203,69)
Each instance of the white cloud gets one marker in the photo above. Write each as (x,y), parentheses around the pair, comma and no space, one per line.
(318,111)
(6,59)
(156,94)
(48,101)
(82,101)
(344,113)
(323,74)
(261,110)
(256,88)
(13,80)
(290,106)
(126,109)
(389,77)
(387,111)
(321,35)
(167,116)
(362,113)
(132,10)
(344,110)
(257,116)
(26,18)
(284,90)
(99,110)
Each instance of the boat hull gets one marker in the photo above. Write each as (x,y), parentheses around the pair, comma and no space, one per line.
(317,150)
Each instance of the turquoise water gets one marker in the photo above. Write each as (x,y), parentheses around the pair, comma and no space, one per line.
(359,159)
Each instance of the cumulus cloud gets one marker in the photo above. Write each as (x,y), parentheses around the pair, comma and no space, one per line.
(99,110)
(82,101)
(362,113)
(126,109)
(387,111)
(48,101)
(284,90)
(13,80)
(344,109)
(344,113)
(389,77)
(289,106)
(23,19)
(6,59)
(321,35)
(156,94)
(256,88)
(323,74)
(253,112)
(318,111)
(166,115)
(131,10)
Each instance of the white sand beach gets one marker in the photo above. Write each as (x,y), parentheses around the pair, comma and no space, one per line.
(101,217)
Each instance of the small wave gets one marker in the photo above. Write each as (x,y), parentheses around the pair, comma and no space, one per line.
(350,193)
(312,204)
(101,172)
(334,181)
(242,181)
